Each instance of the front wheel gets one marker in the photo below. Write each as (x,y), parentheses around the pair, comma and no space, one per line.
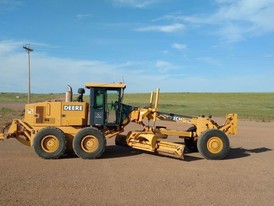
(89,143)
(213,144)
(50,143)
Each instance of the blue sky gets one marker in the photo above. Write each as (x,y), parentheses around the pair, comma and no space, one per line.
(177,45)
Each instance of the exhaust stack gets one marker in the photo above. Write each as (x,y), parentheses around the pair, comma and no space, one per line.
(69,94)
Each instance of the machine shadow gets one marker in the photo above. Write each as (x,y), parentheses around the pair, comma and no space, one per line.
(111,151)
(114,151)
(236,153)
(189,158)
(120,151)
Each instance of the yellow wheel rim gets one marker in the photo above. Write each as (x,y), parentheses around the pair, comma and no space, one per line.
(215,145)
(89,143)
(50,143)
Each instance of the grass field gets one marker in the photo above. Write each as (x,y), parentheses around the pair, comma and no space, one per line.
(255,106)
(258,106)
(22,97)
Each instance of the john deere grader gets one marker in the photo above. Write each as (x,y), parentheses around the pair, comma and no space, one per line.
(55,128)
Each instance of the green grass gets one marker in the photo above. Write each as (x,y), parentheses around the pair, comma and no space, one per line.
(6,111)
(22,97)
(255,106)
(258,106)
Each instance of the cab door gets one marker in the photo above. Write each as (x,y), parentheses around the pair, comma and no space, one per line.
(112,107)
(105,105)
(97,106)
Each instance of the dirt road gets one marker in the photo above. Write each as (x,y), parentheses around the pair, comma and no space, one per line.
(128,177)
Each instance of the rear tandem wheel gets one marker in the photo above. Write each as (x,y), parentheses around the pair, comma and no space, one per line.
(89,143)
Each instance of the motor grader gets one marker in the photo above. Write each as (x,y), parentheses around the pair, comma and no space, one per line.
(54,128)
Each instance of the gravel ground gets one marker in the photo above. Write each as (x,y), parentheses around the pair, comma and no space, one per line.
(124,176)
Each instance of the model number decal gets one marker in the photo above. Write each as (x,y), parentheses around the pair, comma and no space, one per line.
(177,118)
(73,108)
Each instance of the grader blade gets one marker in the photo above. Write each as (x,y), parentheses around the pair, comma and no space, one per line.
(152,142)
(170,149)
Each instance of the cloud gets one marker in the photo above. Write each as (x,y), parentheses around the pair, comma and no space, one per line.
(50,74)
(233,20)
(82,16)
(210,61)
(163,66)
(179,46)
(163,28)
(9,5)
(9,46)
(244,18)
(165,52)
(135,3)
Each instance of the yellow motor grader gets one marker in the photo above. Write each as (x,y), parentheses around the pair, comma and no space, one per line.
(53,128)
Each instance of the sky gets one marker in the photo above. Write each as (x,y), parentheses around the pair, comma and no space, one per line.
(174,45)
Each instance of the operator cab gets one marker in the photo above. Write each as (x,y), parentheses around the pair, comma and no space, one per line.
(105,103)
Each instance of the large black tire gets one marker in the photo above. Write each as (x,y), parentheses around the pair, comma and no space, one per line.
(213,144)
(50,143)
(89,143)
(190,142)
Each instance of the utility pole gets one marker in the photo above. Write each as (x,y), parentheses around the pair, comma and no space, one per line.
(28,50)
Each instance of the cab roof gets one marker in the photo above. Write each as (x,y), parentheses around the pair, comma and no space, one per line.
(104,85)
